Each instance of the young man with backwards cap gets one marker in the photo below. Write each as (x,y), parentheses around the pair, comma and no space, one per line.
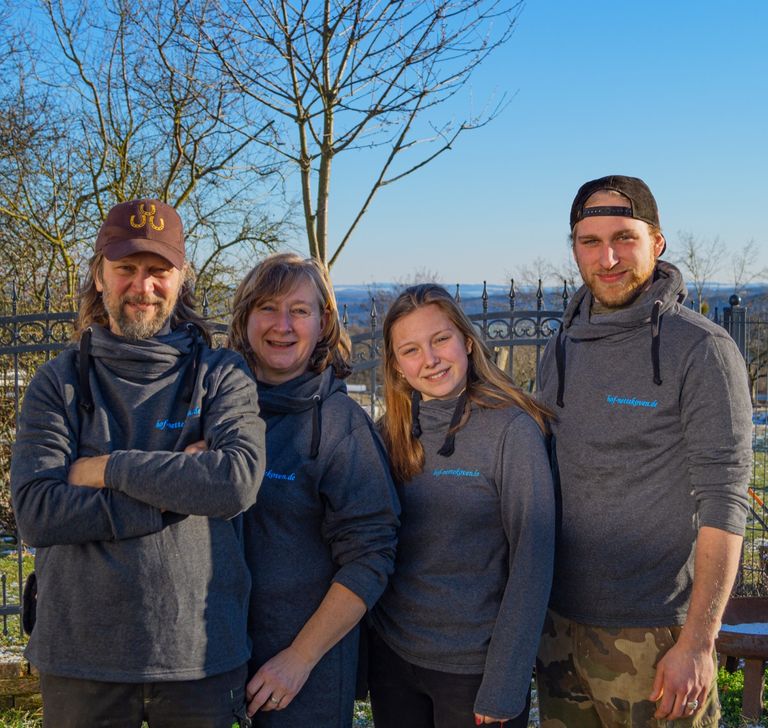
(652,437)
(142,584)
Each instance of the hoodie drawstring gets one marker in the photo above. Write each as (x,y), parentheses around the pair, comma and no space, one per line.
(656,341)
(86,396)
(191,375)
(415,424)
(560,362)
(314,447)
(448,446)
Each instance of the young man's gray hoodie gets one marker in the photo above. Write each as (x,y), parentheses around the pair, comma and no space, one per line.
(653,440)
(145,579)
(474,559)
(326,513)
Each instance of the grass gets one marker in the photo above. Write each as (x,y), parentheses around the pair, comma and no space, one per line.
(21,719)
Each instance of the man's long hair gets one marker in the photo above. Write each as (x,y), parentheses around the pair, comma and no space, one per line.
(92,311)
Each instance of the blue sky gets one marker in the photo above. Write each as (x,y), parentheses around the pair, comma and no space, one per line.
(674,92)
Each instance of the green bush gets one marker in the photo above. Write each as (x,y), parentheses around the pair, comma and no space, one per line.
(731,687)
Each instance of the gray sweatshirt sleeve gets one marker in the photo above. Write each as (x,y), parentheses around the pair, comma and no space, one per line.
(219,483)
(716,415)
(528,515)
(361,513)
(48,510)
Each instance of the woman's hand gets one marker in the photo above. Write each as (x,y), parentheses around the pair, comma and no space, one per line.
(277,681)
(482,719)
(280,678)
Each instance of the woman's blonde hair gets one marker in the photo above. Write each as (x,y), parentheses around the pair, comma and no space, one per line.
(275,276)
(487,385)
(91,308)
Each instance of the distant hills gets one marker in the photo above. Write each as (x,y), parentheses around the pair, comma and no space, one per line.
(357,298)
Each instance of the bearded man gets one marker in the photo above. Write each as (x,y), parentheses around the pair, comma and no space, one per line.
(652,438)
(142,584)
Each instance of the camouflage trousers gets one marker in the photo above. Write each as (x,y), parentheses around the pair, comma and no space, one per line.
(593,677)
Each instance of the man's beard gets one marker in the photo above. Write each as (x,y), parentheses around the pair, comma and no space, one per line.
(143,324)
(625,295)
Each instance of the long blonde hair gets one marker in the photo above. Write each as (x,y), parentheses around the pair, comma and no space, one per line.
(91,308)
(487,385)
(276,276)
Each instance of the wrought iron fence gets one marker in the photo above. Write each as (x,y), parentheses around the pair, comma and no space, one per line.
(515,337)
(751,335)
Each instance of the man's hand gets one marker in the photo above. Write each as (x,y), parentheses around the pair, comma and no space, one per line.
(686,672)
(88,471)
(682,676)
(277,681)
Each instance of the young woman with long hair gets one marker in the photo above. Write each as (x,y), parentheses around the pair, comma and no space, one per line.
(455,634)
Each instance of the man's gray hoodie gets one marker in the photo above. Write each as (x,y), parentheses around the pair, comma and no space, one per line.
(145,579)
(326,513)
(653,440)
(474,558)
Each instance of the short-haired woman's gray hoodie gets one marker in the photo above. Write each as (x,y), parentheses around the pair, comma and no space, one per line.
(327,512)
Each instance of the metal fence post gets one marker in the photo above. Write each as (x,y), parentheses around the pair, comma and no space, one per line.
(735,323)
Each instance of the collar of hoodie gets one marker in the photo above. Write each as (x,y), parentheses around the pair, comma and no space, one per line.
(144,359)
(666,291)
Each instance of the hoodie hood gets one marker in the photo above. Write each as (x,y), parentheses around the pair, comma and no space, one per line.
(141,360)
(305,392)
(667,290)
(438,415)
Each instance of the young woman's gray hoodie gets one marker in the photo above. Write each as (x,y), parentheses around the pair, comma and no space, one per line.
(653,440)
(327,512)
(474,558)
(145,579)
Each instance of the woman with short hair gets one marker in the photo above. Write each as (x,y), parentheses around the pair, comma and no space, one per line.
(320,540)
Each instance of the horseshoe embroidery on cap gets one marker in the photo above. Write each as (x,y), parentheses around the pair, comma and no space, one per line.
(144,215)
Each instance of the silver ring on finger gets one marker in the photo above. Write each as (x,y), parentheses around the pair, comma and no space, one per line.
(274,700)
(691,705)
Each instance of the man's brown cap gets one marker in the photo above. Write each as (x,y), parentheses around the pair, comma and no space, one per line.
(142,226)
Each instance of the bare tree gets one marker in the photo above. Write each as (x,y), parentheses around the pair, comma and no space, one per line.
(116,106)
(744,267)
(355,74)
(700,258)
(567,274)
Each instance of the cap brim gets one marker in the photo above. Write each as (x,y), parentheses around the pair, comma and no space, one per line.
(123,248)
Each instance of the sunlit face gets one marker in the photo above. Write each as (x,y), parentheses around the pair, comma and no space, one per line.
(284,331)
(431,352)
(139,293)
(616,255)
